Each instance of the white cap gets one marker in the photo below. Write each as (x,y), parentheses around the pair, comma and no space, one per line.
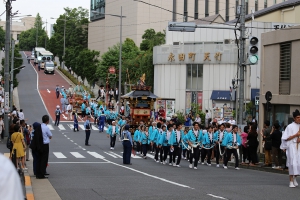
(62,86)
(57,106)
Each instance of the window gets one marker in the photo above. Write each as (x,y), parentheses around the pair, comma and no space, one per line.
(227,10)
(285,69)
(256,5)
(217,6)
(236,8)
(266,4)
(196,10)
(18,36)
(98,6)
(194,78)
(206,8)
(185,11)
(247,7)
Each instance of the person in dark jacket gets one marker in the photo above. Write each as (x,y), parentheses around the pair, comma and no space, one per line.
(276,135)
(253,144)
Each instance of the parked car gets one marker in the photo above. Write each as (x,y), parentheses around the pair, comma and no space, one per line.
(49,67)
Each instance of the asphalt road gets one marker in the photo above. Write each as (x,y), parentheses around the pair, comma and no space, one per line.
(76,173)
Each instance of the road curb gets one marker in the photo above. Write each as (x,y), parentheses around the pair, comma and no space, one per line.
(28,186)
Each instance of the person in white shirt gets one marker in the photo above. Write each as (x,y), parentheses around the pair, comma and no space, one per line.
(10,184)
(198,119)
(207,118)
(231,121)
(21,114)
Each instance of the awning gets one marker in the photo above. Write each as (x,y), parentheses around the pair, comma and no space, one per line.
(222,95)
(254,92)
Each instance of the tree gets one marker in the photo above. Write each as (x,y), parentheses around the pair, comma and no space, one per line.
(111,58)
(74,22)
(34,36)
(2,37)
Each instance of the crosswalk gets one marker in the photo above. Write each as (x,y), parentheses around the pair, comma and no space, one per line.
(66,127)
(91,154)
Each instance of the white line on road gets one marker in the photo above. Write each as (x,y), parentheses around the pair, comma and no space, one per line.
(218,197)
(134,156)
(79,162)
(48,91)
(71,140)
(77,155)
(50,127)
(95,128)
(110,155)
(96,155)
(59,155)
(150,156)
(149,175)
(81,126)
(113,153)
(71,126)
(61,127)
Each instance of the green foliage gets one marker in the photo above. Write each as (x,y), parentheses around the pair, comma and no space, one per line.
(196,110)
(180,117)
(2,37)
(75,81)
(17,63)
(152,39)
(28,39)
(74,22)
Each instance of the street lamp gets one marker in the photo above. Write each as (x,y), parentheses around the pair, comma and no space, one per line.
(64,38)
(120,55)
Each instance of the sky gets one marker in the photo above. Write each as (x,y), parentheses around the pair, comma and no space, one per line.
(46,8)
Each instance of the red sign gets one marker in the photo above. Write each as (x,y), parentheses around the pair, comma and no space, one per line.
(112,70)
(200,100)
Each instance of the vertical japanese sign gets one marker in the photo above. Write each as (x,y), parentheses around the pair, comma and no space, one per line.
(188,101)
(6,102)
(200,100)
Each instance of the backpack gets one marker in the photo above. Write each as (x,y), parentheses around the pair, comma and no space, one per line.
(9,143)
(57,112)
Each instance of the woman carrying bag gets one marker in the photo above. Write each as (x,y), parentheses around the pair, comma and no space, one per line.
(17,139)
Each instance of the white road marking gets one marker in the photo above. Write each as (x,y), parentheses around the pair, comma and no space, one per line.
(50,127)
(81,126)
(77,155)
(68,138)
(48,91)
(96,155)
(150,156)
(113,153)
(75,143)
(95,128)
(61,127)
(134,156)
(110,155)
(71,126)
(218,197)
(71,140)
(59,155)
(149,175)
(79,162)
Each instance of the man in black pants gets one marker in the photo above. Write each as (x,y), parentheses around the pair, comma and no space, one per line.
(44,154)
(87,126)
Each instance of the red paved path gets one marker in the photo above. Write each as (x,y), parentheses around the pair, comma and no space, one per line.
(46,86)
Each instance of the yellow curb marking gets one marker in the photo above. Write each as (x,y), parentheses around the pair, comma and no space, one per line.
(27,181)
(29,196)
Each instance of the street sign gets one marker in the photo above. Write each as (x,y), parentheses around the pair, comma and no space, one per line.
(6,102)
(268,96)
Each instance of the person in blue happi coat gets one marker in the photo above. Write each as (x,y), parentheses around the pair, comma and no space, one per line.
(219,150)
(232,141)
(83,107)
(176,144)
(144,140)
(194,139)
(101,121)
(112,132)
(136,138)
(163,143)
(127,145)
(208,142)
(151,128)
(153,142)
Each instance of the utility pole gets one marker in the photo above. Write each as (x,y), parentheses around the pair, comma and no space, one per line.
(242,62)
(12,74)
(6,68)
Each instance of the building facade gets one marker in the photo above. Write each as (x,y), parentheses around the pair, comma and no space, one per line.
(280,75)
(19,26)
(104,30)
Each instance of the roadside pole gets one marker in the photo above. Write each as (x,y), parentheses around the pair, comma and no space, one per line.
(242,63)
(12,74)
(6,67)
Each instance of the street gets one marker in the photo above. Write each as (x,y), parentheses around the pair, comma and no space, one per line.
(95,172)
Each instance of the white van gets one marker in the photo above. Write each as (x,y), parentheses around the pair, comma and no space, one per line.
(49,67)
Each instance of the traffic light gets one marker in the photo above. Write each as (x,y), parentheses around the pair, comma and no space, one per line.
(253,51)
